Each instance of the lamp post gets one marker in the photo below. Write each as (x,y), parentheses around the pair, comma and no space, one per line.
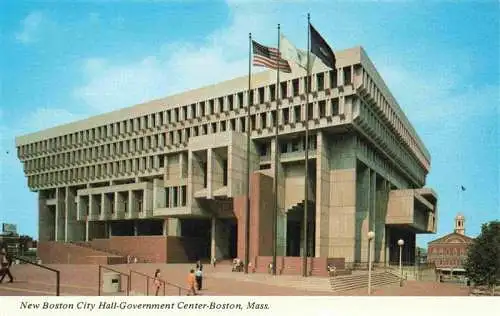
(401,242)
(371,235)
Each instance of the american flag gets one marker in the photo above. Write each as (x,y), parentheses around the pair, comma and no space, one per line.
(269,57)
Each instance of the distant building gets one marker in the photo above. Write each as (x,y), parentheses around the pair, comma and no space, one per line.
(449,252)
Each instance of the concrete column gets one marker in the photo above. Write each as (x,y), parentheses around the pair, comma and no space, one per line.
(87,231)
(174,227)
(116,205)
(182,166)
(130,205)
(135,228)
(209,172)
(213,245)
(165,227)
(60,214)
(75,230)
(110,229)
(322,242)
(46,221)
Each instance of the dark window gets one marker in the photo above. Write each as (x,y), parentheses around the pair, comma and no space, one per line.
(347,75)
(240,99)
(175,198)
(193,111)
(295,87)
(283,148)
(320,82)
(335,106)
(322,108)
(286,115)
(310,111)
(298,116)
(184,195)
(272,90)
(211,107)
(261,95)
(205,170)
(263,120)
(224,172)
(333,78)
(202,109)
(283,86)
(221,104)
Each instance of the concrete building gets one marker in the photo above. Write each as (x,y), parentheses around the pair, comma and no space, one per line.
(175,168)
(448,253)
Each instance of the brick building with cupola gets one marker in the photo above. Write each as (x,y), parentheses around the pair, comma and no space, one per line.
(448,253)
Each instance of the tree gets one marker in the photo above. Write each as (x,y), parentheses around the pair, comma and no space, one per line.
(483,257)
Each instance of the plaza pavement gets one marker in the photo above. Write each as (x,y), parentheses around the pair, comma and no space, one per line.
(83,279)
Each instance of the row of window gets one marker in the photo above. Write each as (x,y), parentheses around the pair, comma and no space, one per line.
(137,204)
(175,196)
(140,144)
(99,171)
(381,163)
(221,104)
(399,152)
(448,251)
(393,118)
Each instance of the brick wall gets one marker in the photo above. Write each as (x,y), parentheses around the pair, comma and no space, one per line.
(292,265)
(151,248)
(51,252)
(184,249)
(261,211)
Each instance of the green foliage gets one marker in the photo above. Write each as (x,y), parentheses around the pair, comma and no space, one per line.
(483,258)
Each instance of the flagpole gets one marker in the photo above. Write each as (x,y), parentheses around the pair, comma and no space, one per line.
(306,171)
(276,160)
(247,209)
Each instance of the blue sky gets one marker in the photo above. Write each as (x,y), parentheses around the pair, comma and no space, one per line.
(61,61)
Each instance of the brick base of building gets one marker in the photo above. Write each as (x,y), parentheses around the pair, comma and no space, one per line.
(114,250)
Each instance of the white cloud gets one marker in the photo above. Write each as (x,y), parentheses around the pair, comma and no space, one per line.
(30,28)
(175,67)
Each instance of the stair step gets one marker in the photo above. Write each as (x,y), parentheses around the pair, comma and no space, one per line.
(346,283)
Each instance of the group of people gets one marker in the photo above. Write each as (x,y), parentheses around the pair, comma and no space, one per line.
(6,263)
(195,279)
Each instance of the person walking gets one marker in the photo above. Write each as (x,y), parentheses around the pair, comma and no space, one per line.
(157,282)
(199,277)
(191,282)
(199,265)
(6,263)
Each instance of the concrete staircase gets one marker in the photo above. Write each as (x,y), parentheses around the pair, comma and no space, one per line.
(357,281)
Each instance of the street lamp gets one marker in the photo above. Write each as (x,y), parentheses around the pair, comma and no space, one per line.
(371,235)
(401,242)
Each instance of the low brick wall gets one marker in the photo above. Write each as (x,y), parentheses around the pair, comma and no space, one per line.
(51,252)
(293,265)
(151,248)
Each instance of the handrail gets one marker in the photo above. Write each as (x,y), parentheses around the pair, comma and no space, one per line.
(57,272)
(165,283)
(112,270)
(147,281)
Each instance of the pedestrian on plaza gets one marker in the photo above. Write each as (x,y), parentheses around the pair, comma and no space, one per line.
(6,263)
(214,262)
(191,282)
(157,282)
(199,277)
(199,265)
